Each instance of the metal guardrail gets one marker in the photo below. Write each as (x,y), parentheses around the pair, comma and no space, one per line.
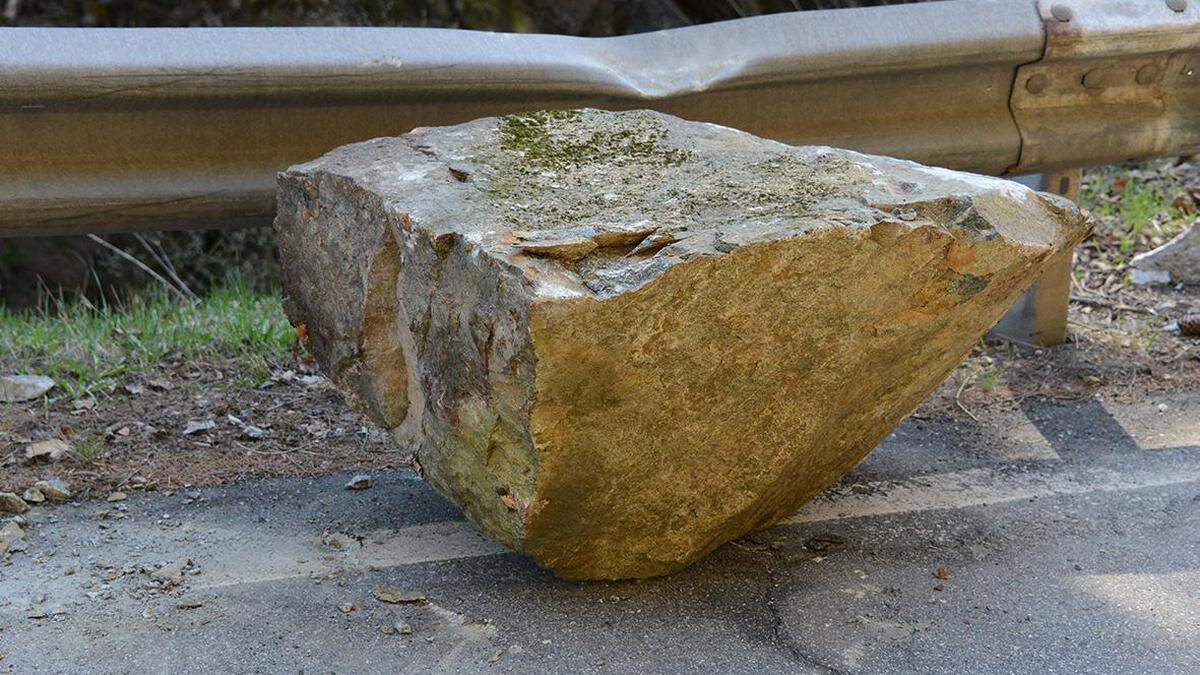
(120,129)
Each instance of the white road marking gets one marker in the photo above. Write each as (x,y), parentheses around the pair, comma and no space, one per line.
(458,540)
(972,487)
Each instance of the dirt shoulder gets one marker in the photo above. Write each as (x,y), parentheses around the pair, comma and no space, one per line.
(182,425)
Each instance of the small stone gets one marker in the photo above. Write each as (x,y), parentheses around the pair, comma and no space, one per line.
(1163,407)
(47,451)
(11,536)
(18,388)
(403,628)
(55,489)
(346,608)
(116,497)
(33,495)
(253,433)
(397,596)
(198,426)
(171,574)
(11,503)
(189,604)
(360,482)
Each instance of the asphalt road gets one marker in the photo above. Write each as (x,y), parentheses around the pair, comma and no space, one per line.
(1065,538)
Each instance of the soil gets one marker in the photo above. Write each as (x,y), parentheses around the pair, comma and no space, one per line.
(137,441)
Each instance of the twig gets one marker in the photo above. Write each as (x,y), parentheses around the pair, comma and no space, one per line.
(1120,307)
(165,262)
(140,265)
(958,398)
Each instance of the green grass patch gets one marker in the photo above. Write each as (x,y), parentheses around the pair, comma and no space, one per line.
(87,448)
(1144,211)
(88,348)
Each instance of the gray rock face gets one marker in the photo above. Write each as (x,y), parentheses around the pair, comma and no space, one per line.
(17,388)
(11,503)
(619,340)
(1177,261)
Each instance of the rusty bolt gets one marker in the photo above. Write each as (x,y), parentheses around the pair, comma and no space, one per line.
(1037,84)
(1177,5)
(1147,74)
(1061,13)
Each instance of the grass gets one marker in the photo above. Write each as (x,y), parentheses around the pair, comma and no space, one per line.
(1142,212)
(87,348)
(87,448)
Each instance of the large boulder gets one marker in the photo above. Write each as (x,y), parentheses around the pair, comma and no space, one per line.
(619,340)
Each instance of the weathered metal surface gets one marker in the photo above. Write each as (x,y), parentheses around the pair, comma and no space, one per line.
(1119,80)
(121,129)
(111,129)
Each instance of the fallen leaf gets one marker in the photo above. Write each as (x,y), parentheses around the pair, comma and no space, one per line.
(941,573)
(160,384)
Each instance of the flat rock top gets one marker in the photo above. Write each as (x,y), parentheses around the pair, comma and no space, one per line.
(596,203)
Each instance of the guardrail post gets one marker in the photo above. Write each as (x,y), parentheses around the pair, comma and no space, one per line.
(1040,316)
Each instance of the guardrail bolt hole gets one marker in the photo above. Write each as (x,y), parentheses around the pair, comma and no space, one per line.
(1147,74)
(1036,84)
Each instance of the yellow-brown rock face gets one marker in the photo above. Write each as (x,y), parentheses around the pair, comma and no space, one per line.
(619,340)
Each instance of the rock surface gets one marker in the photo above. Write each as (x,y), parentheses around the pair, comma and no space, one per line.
(11,503)
(17,388)
(1177,261)
(619,340)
